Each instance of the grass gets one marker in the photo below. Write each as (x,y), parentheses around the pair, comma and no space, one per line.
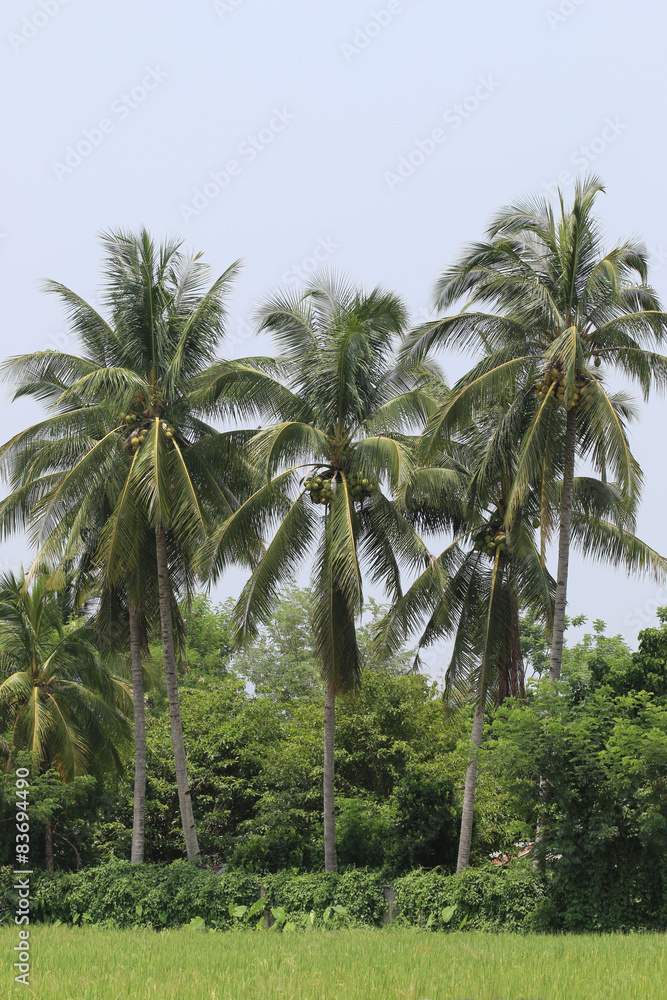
(94,963)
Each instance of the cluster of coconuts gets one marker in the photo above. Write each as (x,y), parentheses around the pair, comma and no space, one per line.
(491,538)
(553,381)
(360,487)
(321,488)
(138,435)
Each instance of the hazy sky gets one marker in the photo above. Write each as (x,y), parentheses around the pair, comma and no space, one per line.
(371,138)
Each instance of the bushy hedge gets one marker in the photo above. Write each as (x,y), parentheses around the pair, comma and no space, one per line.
(488,898)
(157,896)
(358,890)
(146,895)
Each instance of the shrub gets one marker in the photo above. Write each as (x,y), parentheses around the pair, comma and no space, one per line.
(488,898)
(426,829)
(146,895)
(358,890)
(363,831)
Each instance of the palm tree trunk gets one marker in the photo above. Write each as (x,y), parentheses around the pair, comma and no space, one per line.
(330,861)
(563,547)
(559,608)
(138,819)
(184,796)
(48,845)
(539,847)
(465,837)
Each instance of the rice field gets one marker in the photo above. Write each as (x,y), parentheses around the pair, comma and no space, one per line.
(95,963)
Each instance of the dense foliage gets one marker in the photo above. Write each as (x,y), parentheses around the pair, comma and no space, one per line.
(256,764)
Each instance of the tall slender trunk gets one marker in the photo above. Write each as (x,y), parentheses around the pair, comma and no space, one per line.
(465,837)
(48,845)
(539,847)
(330,860)
(184,796)
(139,814)
(563,547)
(539,850)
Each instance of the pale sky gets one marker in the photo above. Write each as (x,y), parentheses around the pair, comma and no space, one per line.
(375,139)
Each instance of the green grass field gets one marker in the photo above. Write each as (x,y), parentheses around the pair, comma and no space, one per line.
(390,964)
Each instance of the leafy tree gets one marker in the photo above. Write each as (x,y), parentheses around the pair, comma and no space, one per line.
(344,408)
(604,757)
(281,661)
(66,815)
(257,764)
(425,821)
(536,641)
(207,646)
(648,671)
(559,308)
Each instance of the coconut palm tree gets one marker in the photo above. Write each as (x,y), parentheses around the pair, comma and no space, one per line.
(57,699)
(331,460)
(474,590)
(123,427)
(563,314)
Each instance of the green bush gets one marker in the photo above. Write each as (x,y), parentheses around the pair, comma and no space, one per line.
(488,898)
(426,829)
(358,890)
(147,895)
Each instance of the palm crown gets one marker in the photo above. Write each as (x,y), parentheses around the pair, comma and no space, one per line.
(560,308)
(345,409)
(124,417)
(56,696)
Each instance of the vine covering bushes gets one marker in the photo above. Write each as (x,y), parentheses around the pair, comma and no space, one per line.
(484,898)
(146,895)
(358,890)
(487,898)
(172,895)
